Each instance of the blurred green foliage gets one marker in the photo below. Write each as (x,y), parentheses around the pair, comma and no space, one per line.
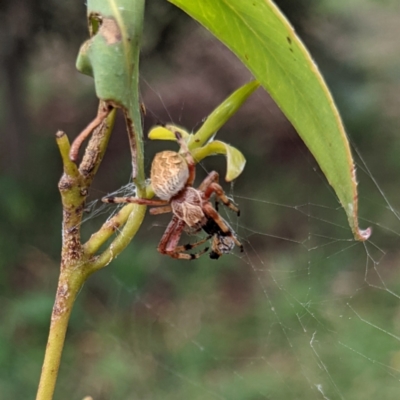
(304,313)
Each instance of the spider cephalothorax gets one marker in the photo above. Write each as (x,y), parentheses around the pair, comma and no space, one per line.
(172,177)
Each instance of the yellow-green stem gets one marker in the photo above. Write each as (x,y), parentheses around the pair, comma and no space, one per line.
(131,226)
(69,285)
(77,261)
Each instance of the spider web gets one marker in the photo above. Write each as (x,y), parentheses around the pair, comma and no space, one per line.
(305,312)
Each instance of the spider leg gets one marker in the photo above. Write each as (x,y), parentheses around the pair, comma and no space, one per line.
(210,185)
(219,192)
(169,242)
(160,210)
(190,246)
(171,235)
(225,229)
(131,199)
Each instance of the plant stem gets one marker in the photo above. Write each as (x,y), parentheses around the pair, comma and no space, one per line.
(73,187)
(117,90)
(130,228)
(69,285)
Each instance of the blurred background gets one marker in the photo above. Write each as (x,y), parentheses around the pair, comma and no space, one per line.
(304,313)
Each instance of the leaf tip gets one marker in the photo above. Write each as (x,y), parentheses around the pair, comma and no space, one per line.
(363,234)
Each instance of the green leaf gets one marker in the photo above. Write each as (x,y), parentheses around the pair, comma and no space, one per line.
(234,158)
(262,38)
(213,122)
(222,114)
(111,56)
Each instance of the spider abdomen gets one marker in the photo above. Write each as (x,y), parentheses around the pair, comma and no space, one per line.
(169,174)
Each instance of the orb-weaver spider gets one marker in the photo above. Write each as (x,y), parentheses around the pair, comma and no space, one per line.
(172,176)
